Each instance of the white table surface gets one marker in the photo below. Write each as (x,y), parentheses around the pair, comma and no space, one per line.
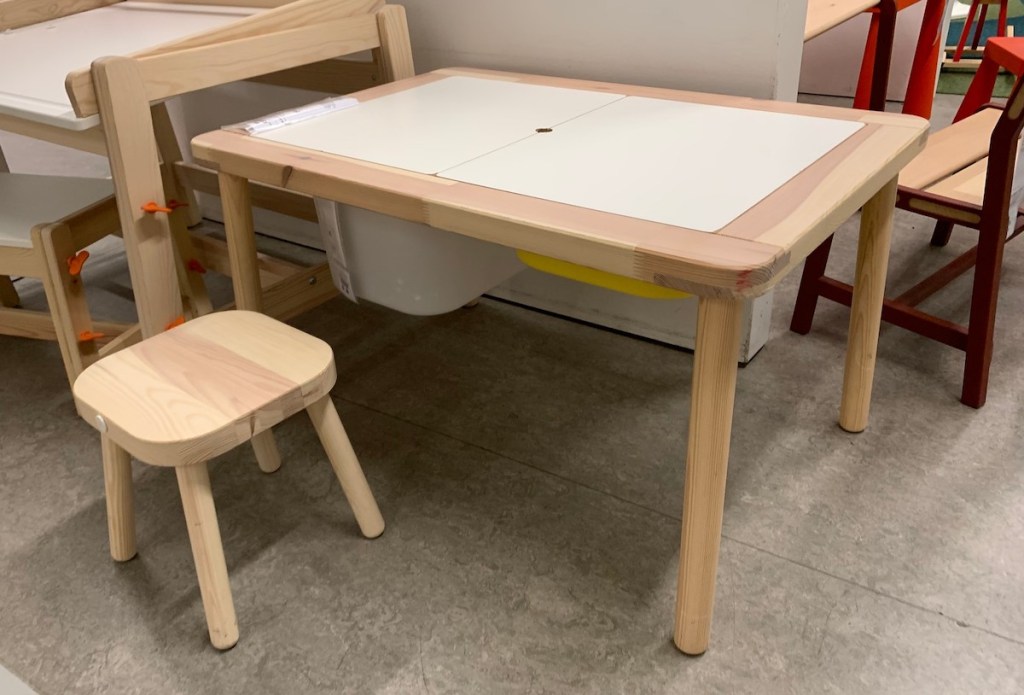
(688,165)
(36,59)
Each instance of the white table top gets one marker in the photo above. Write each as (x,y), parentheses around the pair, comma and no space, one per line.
(45,53)
(690,165)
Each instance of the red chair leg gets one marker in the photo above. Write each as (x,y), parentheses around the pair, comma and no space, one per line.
(862,100)
(981,327)
(885,40)
(930,43)
(981,89)
(807,295)
(981,27)
(943,232)
(1003,5)
(966,32)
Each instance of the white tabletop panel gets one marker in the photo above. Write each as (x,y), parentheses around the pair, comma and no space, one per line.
(441,124)
(688,165)
(679,163)
(36,59)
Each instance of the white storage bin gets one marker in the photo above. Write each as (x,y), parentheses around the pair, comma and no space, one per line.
(406,266)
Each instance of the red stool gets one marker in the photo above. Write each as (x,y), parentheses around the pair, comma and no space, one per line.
(983,4)
(874,72)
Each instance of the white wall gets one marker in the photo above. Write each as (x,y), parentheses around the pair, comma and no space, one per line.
(748,47)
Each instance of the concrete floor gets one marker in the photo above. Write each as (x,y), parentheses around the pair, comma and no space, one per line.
(530,471)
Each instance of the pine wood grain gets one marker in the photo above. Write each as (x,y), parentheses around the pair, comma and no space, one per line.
(707,460)
(866,309)
(117,483)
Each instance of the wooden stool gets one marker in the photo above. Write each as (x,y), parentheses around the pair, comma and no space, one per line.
(1000,29)
(196,391)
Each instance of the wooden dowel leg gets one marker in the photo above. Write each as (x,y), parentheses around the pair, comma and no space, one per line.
(707,460)
(866,308)
(241,241)
(117,483)
(208,553)
(267,455)
(346,466)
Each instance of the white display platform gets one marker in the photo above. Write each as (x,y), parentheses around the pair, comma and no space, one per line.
(36,59)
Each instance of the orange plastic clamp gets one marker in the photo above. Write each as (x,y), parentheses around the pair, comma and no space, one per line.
(152,207)
(86,336)
(175,204)
(175,323)
(76,262)
(195,266)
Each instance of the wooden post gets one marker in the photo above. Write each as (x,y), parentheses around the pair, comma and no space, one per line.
(170,154)
(134,164)
(866,307)
(707,460)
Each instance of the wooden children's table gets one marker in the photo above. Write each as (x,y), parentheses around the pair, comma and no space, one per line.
(717,196)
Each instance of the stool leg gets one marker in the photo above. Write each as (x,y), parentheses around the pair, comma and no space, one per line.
(208,553)
(981,27)
(862,99)
(959,53)
(117,483)
(346,466)
(1003,11)
(267,455)
(980,90)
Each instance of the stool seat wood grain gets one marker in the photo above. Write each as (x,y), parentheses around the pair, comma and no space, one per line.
(201,389)
(195,391)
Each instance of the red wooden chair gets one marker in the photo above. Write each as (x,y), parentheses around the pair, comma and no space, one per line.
(965,176)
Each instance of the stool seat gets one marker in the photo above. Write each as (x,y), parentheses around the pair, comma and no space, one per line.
(28,199)
(204,387)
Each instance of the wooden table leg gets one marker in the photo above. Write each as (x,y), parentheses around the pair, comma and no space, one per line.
(245,279)
(241,241)
(866,308)
(707,460)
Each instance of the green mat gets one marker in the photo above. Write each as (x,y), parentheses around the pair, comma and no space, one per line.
(956,83)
